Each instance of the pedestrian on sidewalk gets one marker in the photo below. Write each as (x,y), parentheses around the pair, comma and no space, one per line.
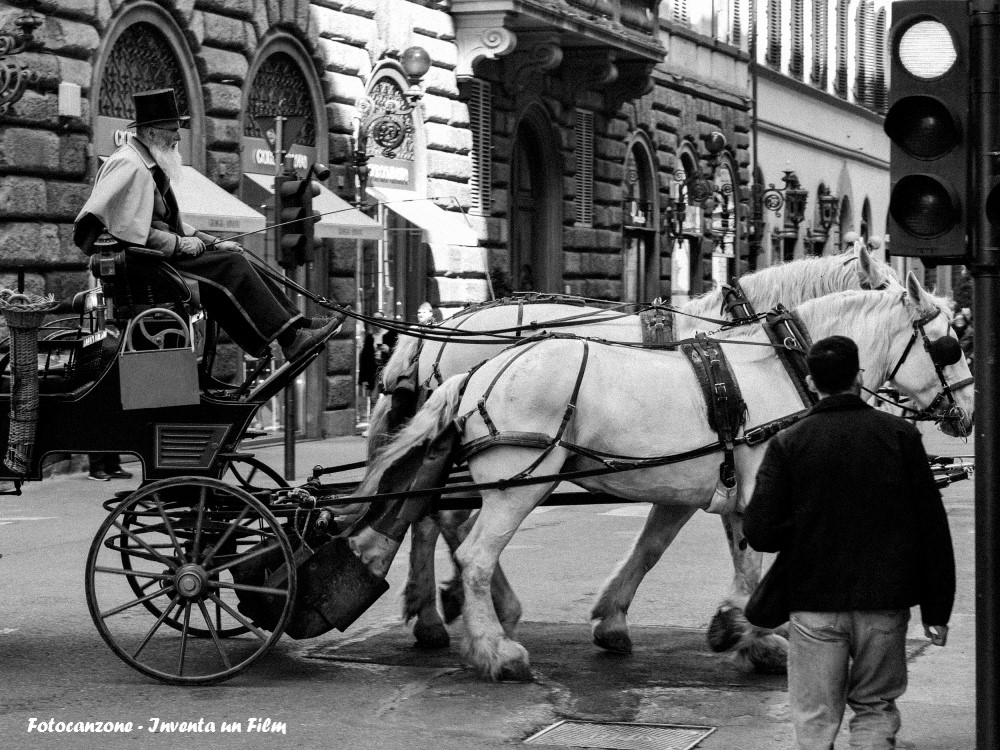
(848,494)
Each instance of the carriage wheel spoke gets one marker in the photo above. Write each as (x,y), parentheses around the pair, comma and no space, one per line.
(243,558)
(135,574)
(156,626)
(184,639)
(142,542)
(244,621)
(225,537)
(248,587)
(200,522)
(140,600)
(170,529)
(215,635)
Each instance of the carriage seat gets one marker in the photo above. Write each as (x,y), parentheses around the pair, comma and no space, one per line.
(135,279)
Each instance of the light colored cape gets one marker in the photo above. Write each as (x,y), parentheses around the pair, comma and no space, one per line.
(123,194)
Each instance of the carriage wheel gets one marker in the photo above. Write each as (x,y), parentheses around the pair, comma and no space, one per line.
(253,475)
(188,539)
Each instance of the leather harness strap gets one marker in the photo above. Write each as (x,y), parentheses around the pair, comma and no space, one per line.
(735,302)
(791,341)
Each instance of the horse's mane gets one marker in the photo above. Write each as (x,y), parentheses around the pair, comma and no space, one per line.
(790,284)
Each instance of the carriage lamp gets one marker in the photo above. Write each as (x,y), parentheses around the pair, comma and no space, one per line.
(384,122)
(14,74)
(793,197)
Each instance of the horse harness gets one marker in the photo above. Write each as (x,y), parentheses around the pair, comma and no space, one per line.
(943,352)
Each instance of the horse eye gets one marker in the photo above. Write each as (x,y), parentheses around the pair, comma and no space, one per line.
(945,351)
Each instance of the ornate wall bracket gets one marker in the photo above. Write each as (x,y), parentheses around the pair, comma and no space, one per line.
(536,57)
(15,75)
(587,70)
(478,39)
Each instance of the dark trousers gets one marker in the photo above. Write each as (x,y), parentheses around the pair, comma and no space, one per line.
(250,307)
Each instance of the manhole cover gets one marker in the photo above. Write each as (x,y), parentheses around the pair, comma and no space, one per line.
(621,736)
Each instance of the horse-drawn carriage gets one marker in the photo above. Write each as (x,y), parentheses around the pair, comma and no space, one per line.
(192,578)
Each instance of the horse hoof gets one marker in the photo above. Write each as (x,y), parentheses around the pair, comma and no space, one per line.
(724,630)
(515,672)
(617,642)
(766,655)
(431,636)
(452,599)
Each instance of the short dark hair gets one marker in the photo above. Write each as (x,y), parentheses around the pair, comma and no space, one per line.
(833,363)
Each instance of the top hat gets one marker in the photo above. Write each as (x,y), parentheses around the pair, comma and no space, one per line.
(152,107)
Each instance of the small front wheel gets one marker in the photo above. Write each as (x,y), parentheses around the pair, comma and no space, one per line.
(188,538)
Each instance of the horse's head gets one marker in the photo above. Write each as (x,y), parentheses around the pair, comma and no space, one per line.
(929,365)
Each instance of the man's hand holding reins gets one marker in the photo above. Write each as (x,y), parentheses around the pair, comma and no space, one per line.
(190,246)
(937,633)
(228,246)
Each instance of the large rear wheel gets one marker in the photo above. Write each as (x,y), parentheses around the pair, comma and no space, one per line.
(163,579)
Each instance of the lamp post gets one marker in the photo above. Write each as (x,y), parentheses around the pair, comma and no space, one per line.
(793,197)
(14,75)
(385,123)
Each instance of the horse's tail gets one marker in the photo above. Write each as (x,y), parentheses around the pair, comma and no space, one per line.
(406,351)
(384,419)
(429,422)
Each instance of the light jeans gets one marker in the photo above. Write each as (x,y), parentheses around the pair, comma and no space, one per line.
(855,658)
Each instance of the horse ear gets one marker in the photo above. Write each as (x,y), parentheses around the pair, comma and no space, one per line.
(859,245)
(865,265)
(915,291)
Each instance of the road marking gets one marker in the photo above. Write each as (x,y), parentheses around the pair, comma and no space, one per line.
(8,521)
(630,511)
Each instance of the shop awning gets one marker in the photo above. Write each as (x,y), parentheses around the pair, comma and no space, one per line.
(206,206)
(442,227)
(340,219)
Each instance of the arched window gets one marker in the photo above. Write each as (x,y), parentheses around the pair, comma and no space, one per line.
(865,54)
(840,82)
(866,220)
(640,270)
(773,59)
(723,223)
(280,87)
(820,51)
(796,62)
(141,60)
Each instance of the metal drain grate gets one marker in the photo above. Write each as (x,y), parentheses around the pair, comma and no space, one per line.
(621,736)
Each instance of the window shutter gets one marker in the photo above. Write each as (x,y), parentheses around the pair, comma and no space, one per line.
(796,65)
(881,92)
(480,122)
(820,44)
(773,59)
(737,33)
(840,84)
(584,167)
(681,12)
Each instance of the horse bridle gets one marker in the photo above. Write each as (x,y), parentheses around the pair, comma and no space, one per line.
(941,355)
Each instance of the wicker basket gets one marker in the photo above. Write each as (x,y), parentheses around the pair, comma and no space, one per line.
(24,313)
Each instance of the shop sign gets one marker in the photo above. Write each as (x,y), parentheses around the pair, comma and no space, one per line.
(258,158)
(394,173)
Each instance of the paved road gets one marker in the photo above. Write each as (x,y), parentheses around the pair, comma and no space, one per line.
(368,687)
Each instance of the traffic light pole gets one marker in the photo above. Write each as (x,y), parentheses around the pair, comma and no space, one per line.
(289,392)
(985,238)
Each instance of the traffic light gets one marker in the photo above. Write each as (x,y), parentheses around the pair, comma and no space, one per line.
(290,212)
(927,123)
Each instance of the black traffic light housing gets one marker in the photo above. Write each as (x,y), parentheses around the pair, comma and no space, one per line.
(295,219)
(927,124)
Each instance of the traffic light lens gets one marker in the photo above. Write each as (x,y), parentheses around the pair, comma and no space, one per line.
(922,126)
(923,206)
(926,49)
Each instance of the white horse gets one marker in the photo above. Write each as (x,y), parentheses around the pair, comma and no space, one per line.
(434,361)
(527,390)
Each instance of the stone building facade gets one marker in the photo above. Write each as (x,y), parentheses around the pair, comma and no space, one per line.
(602,149)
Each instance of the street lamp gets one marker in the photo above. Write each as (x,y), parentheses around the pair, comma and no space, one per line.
(14,75)
(829,208)
(385,122)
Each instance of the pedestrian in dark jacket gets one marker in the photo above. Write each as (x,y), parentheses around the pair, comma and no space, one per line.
(848,495)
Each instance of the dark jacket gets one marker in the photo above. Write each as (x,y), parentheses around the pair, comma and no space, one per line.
(848,493)
(367,365)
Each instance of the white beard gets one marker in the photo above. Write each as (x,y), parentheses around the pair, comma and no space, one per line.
(169,159)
